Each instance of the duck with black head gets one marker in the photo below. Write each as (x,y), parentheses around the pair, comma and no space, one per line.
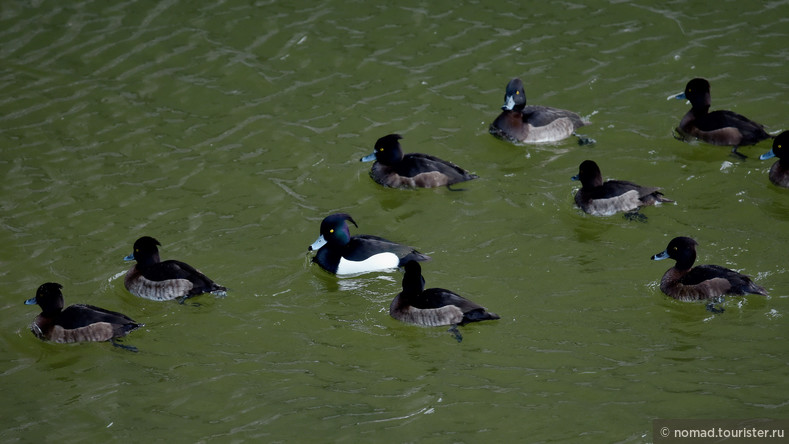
(433,307)
(78,322)
(519,122)
(342,254)
(394,169)
(600,198)
(152,278)
(685,282)
(779,172)
(720,127)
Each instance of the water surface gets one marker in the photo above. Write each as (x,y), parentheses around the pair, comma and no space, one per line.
(228,131)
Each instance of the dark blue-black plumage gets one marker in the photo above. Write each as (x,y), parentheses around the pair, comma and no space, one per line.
(340,253)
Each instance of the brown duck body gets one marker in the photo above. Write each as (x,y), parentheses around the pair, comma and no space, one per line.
(709,128)
(436,173)
(779,173)
(706,282)
(402,309)
(165,290)
(536,124)
(82,323)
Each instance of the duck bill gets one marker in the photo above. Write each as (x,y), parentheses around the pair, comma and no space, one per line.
(31,301)
(680,96)
(368,158)
(768,155)
(129,257)
(317,244)
(509,103)
(660,256)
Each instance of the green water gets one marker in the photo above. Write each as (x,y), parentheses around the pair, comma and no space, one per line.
(228,131)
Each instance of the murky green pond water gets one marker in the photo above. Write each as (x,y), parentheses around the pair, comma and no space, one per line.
(229,130)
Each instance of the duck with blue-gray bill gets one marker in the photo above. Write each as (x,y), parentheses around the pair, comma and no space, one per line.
(78,322)
(342,254)
(685,282)
(720,127)
(519,122)
(152,278)
(779,172)
(394,169)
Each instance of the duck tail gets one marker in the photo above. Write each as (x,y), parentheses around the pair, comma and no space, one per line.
(756,289)
(130,327)
(661,198)
(413,256)
(479,314)
(218,290)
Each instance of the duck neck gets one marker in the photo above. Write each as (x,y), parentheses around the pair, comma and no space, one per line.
(51,312)
(700,110)
(413,283)
(149,260)
(686,263)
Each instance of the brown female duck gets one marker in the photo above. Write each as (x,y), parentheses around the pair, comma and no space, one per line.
(434,306)
(685,282)
(76,323)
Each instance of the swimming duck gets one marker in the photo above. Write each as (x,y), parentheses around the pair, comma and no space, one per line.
(685,282)
(414,170)
(153,279)
(779,172)
(435,306)
(532,124)
(719,127)
(340,253)
(77,323)
(600,198)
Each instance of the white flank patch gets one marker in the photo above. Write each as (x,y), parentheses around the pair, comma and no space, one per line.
(378,262)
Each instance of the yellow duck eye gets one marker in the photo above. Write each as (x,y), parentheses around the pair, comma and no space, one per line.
(331,231)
